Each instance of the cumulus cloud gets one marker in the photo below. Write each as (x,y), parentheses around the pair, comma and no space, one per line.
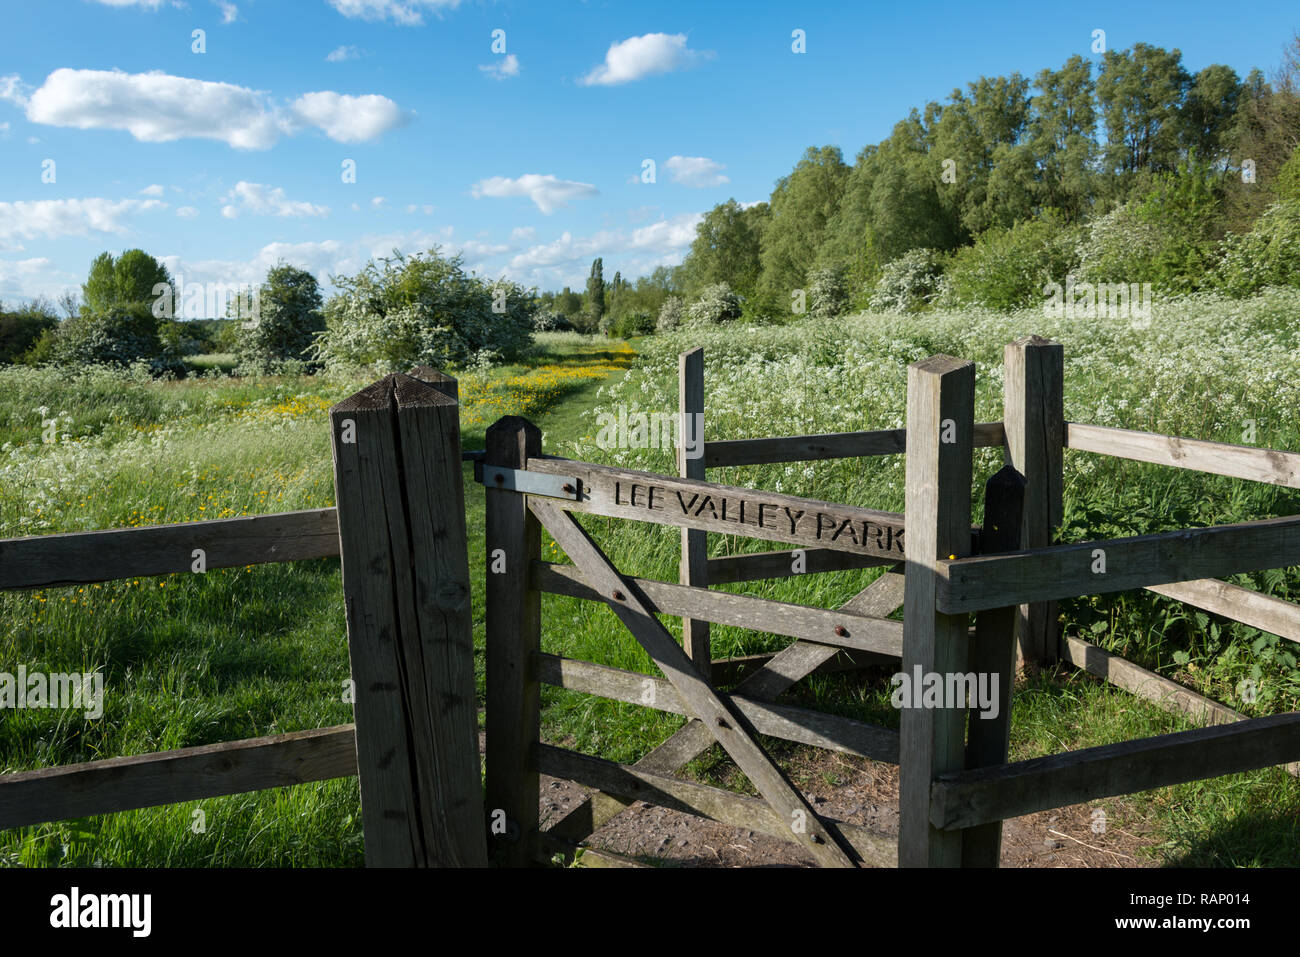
(263,200)
(157,107)
(349,119)
(405,12)
(548,192)
(152,190)
(339,54)
(229,12)
(696,171)
(504,68)
(666,237)
(642,56)
(187,212)
(56,218)
(13,91)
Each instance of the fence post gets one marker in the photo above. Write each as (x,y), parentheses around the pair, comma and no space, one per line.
(401,514)
(514,629)
(940,445)
(993,652)
(1034,419)
(694,567)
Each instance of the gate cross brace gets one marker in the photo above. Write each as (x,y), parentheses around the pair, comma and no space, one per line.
(824,843)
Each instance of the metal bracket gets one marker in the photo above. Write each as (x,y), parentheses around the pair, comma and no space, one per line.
(529,483)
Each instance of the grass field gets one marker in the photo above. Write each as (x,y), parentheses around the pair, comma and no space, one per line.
(197,659)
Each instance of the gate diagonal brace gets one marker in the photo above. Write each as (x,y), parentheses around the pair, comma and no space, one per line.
(824,843)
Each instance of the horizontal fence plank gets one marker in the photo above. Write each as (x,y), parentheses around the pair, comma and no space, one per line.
(840,628)
(787,722)
(549,845)
(170,777)
(1217,458)
(873,848)
(762,566)
(1067,571)
(967,798)
(1264,612)
(1157,689)
(76,558)
(833,445)
(728,509)
(730,671)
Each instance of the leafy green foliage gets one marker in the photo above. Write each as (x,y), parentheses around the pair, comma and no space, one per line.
(717,303)
(908,283)
(1007,268)
(128,280)
(285,324)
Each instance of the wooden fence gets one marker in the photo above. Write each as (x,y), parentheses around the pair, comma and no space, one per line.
(399,529)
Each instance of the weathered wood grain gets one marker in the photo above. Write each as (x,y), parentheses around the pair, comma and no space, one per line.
(690,503)
(1034,416)
(1141,561)
(514,629)
(732,732)
(170,777)
(968,798)
(694,563)
(839,628)
(1273,615)
(788,722)
(397,477)
(834,445)
(761,566)
(1217,458)
(993,652)
(75,558)
(940,417)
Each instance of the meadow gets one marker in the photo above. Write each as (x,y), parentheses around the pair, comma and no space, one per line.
(197,659)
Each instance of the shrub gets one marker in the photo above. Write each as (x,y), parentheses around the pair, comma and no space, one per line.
(671,314)
(1269,255)
(717,303)
(1008,267)
(422,309)
(828,293)
(909,282)
(120,336)
(546,319)
(285,325)
(19,331)
(634,324)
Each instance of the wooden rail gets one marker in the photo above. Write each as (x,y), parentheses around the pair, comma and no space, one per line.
(76,558)
(168,777)
(832,445)
(1216,458)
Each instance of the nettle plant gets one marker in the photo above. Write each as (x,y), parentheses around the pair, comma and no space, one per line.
(423,308)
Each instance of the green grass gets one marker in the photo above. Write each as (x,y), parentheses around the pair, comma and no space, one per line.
(195,659)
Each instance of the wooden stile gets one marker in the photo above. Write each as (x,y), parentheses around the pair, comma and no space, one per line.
(1034,419)
(401,510)
(940,418)
(514,630)
(694,569)
(1264,612)
(993,652)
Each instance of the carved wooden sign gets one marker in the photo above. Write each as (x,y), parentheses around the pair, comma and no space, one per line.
(754,513)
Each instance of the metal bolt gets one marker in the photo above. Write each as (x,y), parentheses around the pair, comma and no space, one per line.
(619,596)
(721,722)
(817,839)
(566,487)
(841,631)
(499,478)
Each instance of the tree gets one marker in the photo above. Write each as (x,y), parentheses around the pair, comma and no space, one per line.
(1063,137)
(129,280)
(727,248)
(801,206)
(286,323)
(1140,92)
(596,293)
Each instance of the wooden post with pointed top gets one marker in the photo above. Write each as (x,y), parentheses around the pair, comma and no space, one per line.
(402,538)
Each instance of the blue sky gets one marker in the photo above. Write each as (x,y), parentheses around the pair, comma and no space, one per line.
(528,161)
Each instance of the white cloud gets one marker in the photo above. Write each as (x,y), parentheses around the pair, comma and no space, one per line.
(642,56)
(349,119)
(548,192)
(756,202)
(420,208)
(13,90)
(521,233)
(144,4)
(378,202)
(406,12)
(697,171)
(153,190)
(55,218)
(158,108)
(502,69)
(263,200)
(666,237)
(187,212)
(339,54)
(229,12)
